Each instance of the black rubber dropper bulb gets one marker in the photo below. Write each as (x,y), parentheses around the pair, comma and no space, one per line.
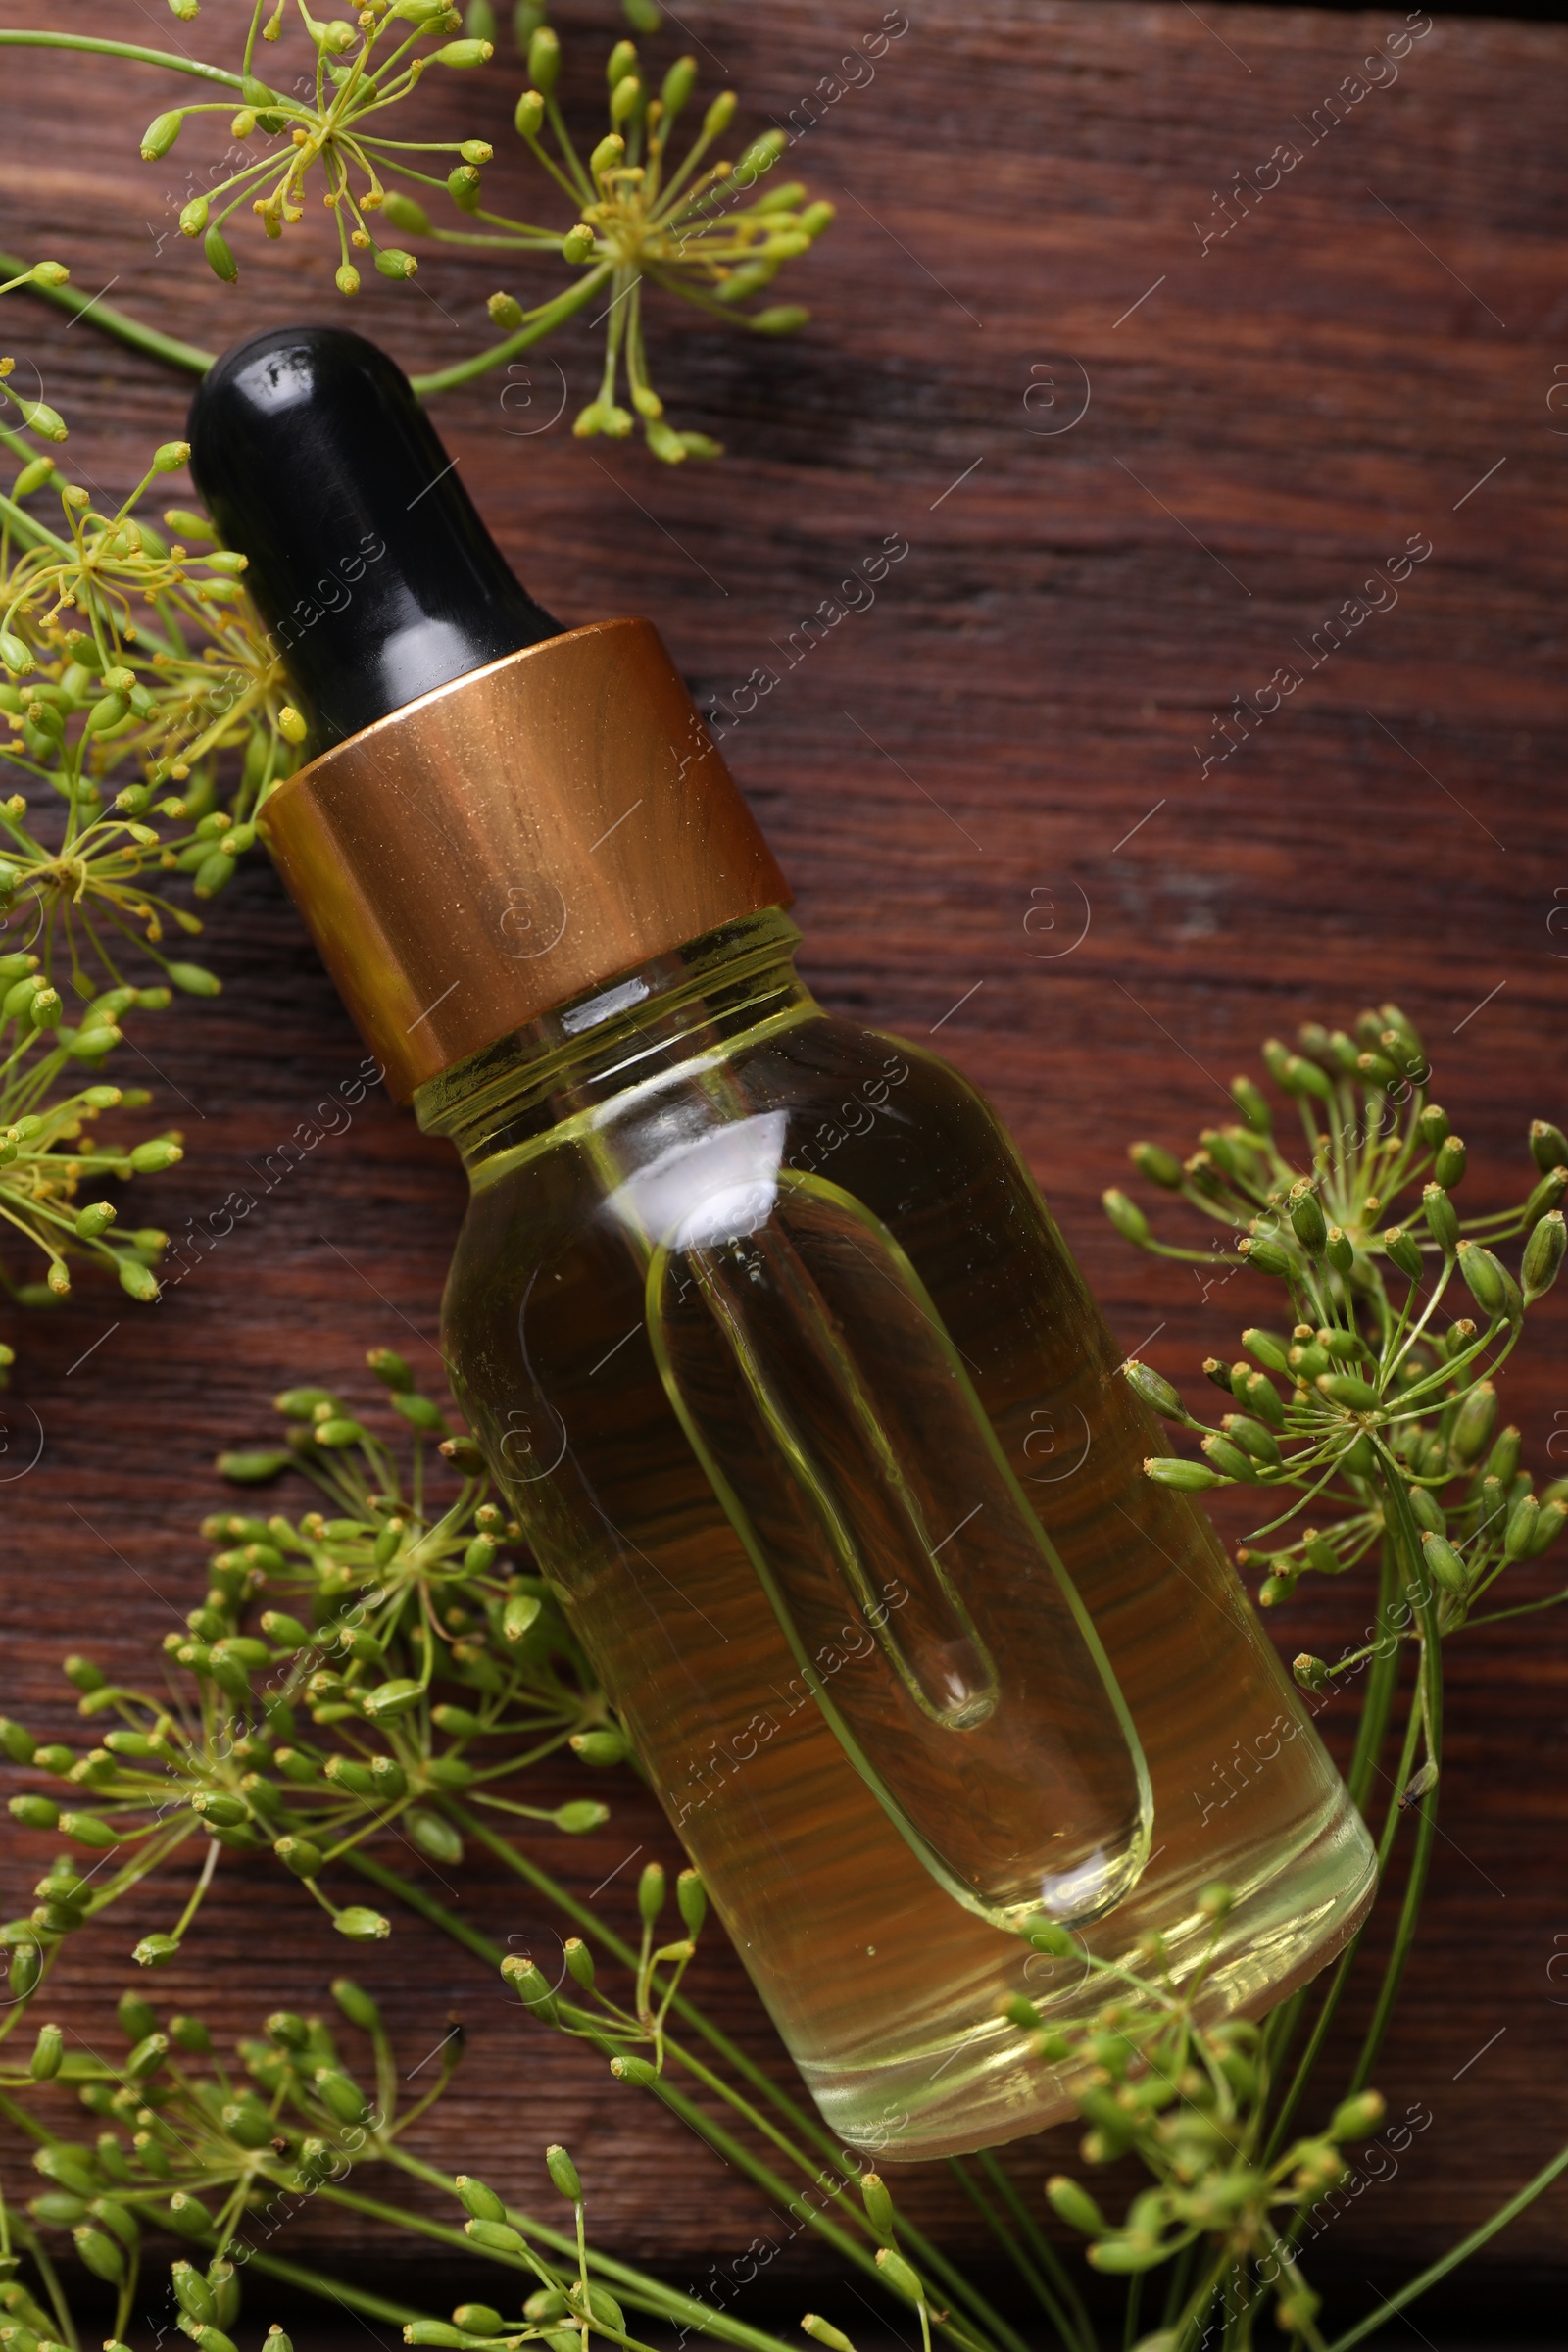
(367,559)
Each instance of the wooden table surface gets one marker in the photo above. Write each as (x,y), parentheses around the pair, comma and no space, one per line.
(1136,472)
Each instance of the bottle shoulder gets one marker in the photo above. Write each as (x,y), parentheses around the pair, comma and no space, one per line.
(811,1097)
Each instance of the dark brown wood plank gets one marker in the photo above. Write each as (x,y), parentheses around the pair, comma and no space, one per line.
(1368,354)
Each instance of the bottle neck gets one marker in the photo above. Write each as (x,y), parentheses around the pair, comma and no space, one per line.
(486,855)
(632,1033)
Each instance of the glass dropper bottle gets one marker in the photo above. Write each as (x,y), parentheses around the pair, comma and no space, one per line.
(757,1315)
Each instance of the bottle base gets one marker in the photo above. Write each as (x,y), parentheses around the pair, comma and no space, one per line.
(976,2083)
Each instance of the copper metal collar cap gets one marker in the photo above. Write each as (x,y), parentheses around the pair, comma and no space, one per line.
(514,838)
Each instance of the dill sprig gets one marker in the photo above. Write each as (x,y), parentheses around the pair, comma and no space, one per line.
(1378,1406)
(145,720)
(690,226)
(1376,1413)
(630,215)
(345,1675)
(224,2156)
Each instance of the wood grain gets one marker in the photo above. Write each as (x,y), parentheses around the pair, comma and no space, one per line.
(1004,742)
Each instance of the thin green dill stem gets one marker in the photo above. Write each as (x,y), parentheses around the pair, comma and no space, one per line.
(1373,1099)
(1359,1657)
(1441,1374)
(390,93)
(654,166)
(581,188)
(104,316)
(540,241)
(17,518)
(524,236)
(742,2107)
(636,359)
(1381,1685)
(547,164)
(1063,2323)
(1431,1710)
(1319,1297)
(1305,2326)
(34,1235)
(575,298)
(1155,1248)
(386,2077)
(1396,1966)
(232,2211)
(668,214)
(1456,2255)
(1397,1338)
(648,2294)
(334,2291)
(1340,1097)
(1414,1153)
(125,49)
(1176,2292)
(237,182)
(151,1859)
(198,1890)
(617,335)
(250,38)
(582,2268)
(1229,1207)
(1045,2253)
(953,2283)
(1418,1328)
(56,2293)
(341,1848)
(428,1908)
(1412,1734)
(733,2055)
(1291,1510)
(726,2144)
(952,2280)
(507,1804)
(633,134)
(1495,1225)
(1526,1608)
(1376,1707)
(21,2120)
(950,2326)
(1385,1313)
(959,2288)
(1200,2301)
(421,147)
(1305,1105)
(426,180)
